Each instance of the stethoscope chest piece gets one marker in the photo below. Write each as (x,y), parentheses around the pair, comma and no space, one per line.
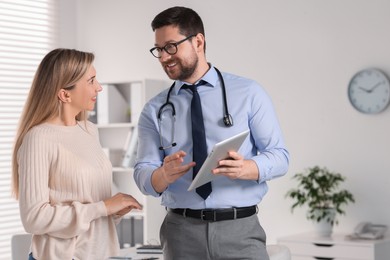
(228,120)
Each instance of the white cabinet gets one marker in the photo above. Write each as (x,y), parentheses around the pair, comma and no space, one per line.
(116,114)
(336,247)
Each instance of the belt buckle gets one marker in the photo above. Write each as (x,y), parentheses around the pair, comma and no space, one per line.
(201,214)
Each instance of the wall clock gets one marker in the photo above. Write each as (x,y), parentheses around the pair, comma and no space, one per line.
(369,91)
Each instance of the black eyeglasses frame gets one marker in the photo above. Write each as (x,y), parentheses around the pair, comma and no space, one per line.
(170,44)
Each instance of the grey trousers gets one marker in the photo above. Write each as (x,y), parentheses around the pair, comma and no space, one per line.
(185,238)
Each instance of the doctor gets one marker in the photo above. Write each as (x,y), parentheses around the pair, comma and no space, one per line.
(220,221)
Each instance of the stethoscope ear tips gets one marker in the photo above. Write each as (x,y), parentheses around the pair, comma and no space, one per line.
(228,120)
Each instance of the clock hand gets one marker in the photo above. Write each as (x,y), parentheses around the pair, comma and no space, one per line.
(365,90)
(374,87)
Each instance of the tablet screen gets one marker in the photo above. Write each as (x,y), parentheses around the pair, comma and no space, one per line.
(219,152)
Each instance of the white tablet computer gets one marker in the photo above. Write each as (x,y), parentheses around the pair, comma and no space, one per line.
(219,152)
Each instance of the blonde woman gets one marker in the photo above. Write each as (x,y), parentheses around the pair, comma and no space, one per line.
(61,175)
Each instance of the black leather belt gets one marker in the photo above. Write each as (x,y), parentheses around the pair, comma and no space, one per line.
(217,214)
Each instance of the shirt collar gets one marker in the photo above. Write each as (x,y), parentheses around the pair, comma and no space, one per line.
(211,77)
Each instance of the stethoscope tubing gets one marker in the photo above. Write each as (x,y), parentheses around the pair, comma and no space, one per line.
(227,118)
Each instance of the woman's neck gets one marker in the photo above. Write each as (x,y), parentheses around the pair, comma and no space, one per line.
(63,121)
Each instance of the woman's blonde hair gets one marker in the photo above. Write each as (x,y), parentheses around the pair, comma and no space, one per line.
(59,69)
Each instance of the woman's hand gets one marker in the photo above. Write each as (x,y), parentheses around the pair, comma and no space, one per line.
(120,204)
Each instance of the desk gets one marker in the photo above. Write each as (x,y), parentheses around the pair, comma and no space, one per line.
(276,252)
(338,246)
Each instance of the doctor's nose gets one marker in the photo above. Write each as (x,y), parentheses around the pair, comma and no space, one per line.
(165,56)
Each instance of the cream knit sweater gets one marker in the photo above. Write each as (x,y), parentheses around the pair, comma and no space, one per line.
(64,177)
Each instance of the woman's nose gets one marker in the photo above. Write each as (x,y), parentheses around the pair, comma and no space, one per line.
(99,87)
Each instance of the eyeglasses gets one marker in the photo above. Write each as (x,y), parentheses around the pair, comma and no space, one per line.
(170,48)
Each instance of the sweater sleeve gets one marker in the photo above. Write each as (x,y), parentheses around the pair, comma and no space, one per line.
(39,215)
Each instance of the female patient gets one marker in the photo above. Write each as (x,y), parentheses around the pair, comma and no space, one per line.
(61,175)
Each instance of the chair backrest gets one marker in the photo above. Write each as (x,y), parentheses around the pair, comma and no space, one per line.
(20,246)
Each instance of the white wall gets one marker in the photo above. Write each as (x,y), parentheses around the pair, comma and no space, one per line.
(303,52)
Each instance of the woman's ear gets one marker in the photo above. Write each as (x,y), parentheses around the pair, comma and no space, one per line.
(64,96)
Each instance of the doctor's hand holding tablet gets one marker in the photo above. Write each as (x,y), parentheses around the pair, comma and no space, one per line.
(223,160)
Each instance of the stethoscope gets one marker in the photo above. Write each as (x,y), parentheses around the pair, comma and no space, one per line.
(227,118)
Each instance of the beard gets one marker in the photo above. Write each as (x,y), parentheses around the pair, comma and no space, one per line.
(182,71)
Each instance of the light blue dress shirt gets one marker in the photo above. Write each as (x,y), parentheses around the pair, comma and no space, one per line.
(250,107)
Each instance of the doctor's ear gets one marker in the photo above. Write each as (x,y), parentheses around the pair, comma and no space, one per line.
(200,42)
(64,95)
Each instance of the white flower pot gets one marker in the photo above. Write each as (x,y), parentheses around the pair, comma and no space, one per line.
(324,227)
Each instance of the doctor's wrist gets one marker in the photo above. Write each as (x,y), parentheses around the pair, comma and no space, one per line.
(159,181)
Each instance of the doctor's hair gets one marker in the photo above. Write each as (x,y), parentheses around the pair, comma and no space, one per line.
(59,69)
(186,19)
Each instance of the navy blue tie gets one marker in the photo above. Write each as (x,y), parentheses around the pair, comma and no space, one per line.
(198,137)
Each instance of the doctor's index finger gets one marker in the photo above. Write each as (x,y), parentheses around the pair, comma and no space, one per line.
(175,156)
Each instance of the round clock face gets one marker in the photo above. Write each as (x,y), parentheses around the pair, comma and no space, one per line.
(369,91)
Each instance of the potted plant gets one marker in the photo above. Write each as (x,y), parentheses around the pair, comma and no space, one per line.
(318,188)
